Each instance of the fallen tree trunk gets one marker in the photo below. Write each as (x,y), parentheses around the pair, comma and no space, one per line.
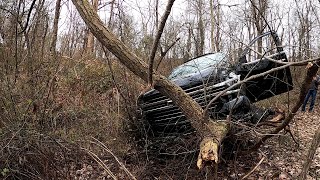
(212,133)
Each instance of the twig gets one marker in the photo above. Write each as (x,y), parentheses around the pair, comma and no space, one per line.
(114,82)
(165,52)
(115,157)
(14,135)
(250,172)
(100,162)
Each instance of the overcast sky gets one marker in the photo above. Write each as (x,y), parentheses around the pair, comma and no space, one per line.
(179,10)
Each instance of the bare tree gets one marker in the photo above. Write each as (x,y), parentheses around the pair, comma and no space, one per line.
(215,20)
(201,28)
(259,9)
(55,27)
(89,44)
(197,23)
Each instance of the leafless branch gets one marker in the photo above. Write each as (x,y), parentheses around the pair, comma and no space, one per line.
(312,71)
(115,157)
(163,53)
(157,38)
(28,16)
(101,163)
(114,82)
(251,171)
(112,74)
(261,14)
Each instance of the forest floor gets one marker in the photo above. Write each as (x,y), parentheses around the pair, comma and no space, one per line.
(279,158)
(283,157)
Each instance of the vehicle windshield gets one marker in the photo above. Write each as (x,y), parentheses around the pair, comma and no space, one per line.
(198,64)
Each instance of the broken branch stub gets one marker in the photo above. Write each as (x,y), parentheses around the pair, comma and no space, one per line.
(188,106)
(208,152)
(209,146)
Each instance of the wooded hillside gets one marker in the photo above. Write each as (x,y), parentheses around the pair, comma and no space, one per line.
(71,73)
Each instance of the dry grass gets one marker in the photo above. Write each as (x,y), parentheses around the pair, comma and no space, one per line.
(44,123)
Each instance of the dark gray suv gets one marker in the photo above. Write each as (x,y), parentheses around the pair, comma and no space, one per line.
(205,76)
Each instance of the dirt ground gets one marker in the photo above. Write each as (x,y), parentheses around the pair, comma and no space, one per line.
(283,157)
(284,154)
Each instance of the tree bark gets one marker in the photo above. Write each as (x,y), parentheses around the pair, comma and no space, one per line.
(212,132)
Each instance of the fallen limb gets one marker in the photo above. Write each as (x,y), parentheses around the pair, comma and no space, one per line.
(275,121)
(212,133)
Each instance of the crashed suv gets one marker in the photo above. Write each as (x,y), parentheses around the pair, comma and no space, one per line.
(205,76)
